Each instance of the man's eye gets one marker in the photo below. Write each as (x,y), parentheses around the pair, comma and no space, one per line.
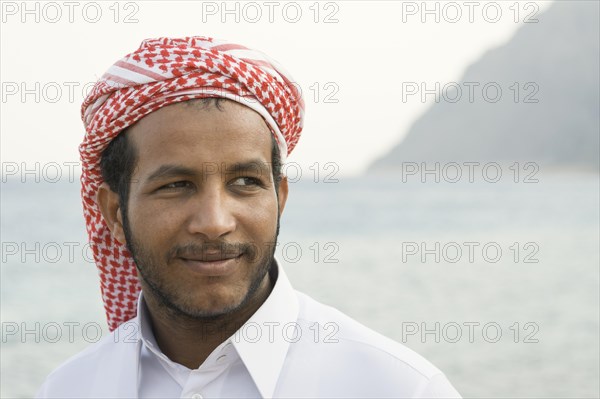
(246,181)
(175,185)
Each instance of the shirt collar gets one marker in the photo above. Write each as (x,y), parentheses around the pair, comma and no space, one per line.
(261,342)
(148,341)
(264,353)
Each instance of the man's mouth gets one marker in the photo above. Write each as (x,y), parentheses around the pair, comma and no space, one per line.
(212,264)
(212,256)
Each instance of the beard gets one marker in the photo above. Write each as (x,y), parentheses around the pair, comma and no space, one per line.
(171,297)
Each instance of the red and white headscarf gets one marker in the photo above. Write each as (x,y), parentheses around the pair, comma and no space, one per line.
(161,72)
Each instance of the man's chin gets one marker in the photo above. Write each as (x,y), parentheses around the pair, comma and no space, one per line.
(203,311)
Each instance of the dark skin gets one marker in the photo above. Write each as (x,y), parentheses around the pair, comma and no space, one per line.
(202,195)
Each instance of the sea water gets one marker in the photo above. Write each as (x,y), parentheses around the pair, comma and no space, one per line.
(496,284)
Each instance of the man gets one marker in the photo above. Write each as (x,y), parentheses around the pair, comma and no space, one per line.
(182,192)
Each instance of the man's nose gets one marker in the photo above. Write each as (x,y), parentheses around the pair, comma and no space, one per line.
(212,216)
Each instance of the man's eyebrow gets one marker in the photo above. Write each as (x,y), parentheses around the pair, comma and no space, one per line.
(170,170)
(253,165)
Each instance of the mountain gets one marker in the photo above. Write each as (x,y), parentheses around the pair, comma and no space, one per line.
(553,117)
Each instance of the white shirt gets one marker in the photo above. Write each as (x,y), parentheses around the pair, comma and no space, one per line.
(292,346)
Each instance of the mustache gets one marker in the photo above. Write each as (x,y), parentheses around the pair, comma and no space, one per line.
(211,249)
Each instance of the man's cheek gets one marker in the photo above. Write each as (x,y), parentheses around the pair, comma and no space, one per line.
(150,216)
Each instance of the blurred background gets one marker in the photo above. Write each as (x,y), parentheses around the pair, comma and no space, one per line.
(445,191)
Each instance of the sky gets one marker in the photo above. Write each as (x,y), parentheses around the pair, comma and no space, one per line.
(353,61)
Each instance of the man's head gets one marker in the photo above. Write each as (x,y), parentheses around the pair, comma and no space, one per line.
(192,191)
(164,76)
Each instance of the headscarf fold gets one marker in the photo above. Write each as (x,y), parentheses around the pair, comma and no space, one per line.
(160,72)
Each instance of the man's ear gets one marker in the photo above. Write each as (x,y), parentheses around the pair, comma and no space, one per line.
(282,193)
(108,201)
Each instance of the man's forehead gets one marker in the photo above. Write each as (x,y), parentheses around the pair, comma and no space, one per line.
(219,109)
(192,143)
(232,127)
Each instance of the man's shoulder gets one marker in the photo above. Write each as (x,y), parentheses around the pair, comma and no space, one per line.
(340,328)
(343,346)
(88,368)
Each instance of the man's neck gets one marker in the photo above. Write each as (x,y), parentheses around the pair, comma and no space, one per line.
(189,341)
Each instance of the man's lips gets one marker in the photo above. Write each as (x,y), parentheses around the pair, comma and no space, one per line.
(211,256)
(217,264)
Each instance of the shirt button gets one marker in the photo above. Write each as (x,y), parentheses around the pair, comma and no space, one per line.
(196,396)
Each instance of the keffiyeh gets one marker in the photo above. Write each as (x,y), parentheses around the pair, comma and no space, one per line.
(161,72)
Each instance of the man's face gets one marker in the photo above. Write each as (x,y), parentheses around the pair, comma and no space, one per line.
(203,212)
